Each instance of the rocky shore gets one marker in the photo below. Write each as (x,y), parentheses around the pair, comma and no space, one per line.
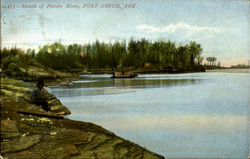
(28,132)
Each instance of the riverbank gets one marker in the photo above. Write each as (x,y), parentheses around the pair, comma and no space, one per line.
(29,132)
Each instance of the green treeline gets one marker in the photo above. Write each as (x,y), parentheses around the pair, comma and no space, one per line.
(121,55)
(135,55)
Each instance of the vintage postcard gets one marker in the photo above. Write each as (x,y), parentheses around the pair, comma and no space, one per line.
(125,79)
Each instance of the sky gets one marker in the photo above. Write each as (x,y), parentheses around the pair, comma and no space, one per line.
(220,26)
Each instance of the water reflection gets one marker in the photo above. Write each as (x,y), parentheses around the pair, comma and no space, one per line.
(103,84)
(149,83)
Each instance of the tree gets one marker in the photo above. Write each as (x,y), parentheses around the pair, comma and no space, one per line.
(211,60)
(219,64)
(195,51)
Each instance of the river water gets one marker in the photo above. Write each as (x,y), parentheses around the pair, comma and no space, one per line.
(194,115)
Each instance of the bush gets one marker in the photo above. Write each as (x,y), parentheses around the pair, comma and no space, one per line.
(8,60)
(12,67)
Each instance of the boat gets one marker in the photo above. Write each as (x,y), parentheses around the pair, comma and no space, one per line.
(124,74)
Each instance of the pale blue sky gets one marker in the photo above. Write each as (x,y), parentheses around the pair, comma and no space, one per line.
(220,26)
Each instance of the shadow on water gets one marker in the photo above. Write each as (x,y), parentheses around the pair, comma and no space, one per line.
(149,83)
(100,85)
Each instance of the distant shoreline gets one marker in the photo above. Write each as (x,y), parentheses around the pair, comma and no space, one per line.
(231,70)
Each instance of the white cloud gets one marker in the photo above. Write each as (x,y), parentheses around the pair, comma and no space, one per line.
(171,28)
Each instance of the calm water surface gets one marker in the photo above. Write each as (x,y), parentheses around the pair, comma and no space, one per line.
(196,115)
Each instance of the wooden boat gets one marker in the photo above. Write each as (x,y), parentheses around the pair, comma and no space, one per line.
(124,74)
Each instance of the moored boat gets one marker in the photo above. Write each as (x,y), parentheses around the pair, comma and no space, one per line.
(124,74)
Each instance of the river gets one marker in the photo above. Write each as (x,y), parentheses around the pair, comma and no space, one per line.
(193,115)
